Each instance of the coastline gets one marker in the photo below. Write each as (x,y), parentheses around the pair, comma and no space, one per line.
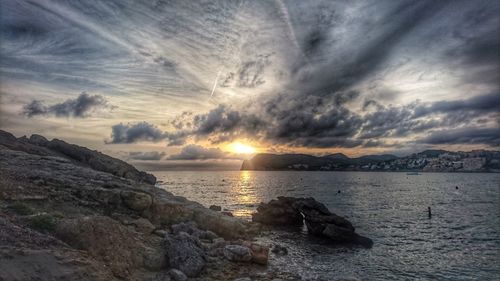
(64,215)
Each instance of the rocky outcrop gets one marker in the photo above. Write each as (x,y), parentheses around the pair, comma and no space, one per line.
(95,160)
(102,225)
(64,217)
(318,219)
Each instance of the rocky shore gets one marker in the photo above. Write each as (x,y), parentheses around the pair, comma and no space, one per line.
(70,213)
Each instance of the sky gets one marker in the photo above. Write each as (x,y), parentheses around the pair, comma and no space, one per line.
(203,84)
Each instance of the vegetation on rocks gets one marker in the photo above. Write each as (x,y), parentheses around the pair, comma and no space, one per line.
(43,222)
(21,209)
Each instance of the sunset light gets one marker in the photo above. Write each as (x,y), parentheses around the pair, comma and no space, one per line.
(235,140)
(240,148)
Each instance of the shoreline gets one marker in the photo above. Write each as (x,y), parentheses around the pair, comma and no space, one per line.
(57,205)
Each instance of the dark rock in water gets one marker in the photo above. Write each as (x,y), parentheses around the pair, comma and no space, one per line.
(279,250)
(215,208)
(278,212)
(227,213)
(184,253)
(318,219)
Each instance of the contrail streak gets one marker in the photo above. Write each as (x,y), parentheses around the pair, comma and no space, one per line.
(292,35)
(215,83)
(288,22)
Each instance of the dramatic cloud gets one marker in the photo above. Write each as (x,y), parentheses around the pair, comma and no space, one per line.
(293,74)
(80,107)
(489,136)
(146,156)
(197,152)
(418,117)
(327,122)
(130,133)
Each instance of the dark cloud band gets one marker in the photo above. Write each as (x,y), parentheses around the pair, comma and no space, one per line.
(80,107)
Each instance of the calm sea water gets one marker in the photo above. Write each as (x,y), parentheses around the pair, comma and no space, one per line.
(460,242)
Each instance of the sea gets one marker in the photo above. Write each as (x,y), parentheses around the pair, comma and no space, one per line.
(460,241)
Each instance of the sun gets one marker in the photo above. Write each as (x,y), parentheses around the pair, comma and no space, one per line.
(240,148)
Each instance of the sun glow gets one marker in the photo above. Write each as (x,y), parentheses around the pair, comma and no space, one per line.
(239,148)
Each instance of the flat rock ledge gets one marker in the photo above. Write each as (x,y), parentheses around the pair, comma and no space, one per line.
(290,211)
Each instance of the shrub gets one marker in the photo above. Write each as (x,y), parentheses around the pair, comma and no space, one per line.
(43,223)
(21,209)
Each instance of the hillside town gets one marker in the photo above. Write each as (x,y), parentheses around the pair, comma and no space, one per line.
(440,161)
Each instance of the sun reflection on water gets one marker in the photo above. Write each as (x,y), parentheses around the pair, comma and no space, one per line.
(244,194)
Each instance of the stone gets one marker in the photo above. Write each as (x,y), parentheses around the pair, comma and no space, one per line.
(184,253)
(192,229)
(137,201)
(260,253)
(210,235)
(215,208)
(177,275)
(318,219)
(279,250)
(278,212)
(227,213)
(38,140)
(160,232)
(222,225)
(189,227)
(218,242)
(237,253)
(153,258)
(104,239)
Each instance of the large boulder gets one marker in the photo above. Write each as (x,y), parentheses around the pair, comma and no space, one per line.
(318,219)
(38,140)
(237,253)
(184,252)
(278,212)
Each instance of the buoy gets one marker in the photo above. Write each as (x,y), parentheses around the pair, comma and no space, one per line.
(338,191)
(456,187)
(429,211)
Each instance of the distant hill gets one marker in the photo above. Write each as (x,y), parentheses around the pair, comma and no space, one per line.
(428,160)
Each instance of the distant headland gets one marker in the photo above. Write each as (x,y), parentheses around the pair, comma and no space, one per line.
(425,161)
